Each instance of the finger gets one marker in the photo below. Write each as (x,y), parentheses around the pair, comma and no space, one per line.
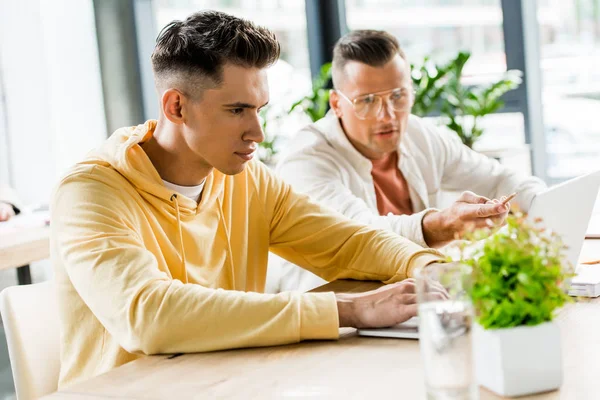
(496,221)
(500,222)
(470,197)
(407,286)
(439,288)
(486,210)
(408,312)
(408,298)
(484,223)
(501,219)
(509,198)
(439,296)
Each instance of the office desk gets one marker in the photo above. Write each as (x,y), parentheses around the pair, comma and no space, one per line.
(22,244)
(353,367)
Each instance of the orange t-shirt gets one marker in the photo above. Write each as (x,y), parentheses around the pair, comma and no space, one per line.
(391,188)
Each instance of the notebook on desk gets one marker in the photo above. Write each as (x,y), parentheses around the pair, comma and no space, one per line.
(593,230)
(587,281)
(406,330)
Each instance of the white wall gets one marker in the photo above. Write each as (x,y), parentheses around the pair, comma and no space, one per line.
(4,156)
(52,86)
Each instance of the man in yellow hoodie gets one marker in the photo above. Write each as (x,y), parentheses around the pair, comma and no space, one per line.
(160,237)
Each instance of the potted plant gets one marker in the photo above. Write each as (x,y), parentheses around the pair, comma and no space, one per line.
(267,149)
(463,106)
(316,104)
(518,277)
(429,81)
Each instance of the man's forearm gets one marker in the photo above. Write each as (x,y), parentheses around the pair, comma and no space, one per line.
(435,231)
(345,307)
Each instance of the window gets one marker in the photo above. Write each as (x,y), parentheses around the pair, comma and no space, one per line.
(4,154)
(570,62)
(439,28)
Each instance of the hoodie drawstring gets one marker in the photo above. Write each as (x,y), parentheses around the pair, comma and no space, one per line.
(181,248)
(229,254)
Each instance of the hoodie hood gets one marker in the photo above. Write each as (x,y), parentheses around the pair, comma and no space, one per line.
(122,152)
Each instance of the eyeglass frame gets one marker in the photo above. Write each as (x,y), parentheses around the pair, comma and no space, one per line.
(378,94)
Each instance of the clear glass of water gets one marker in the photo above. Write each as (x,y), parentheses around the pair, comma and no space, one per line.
(445,318)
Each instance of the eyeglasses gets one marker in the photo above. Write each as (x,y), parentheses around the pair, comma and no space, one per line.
(369,105)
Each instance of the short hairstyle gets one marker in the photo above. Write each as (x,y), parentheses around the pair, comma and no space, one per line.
(371,47)
(187,52)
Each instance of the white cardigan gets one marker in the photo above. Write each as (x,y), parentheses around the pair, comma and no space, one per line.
(322,163)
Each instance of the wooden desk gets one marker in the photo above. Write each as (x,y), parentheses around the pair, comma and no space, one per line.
(353,367)
(22,245)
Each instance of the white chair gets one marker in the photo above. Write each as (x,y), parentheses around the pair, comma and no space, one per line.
(30,318)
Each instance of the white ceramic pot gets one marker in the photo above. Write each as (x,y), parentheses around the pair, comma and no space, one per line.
(518,361)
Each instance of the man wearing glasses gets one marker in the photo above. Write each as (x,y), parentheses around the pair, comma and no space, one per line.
(373,161)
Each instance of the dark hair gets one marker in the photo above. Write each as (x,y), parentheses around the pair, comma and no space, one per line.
(205,41)
(371,47)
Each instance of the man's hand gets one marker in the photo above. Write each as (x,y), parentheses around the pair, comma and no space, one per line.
(389,305)
(6,211)
(468,212)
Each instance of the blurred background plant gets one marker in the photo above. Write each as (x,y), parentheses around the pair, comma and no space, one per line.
(316,103)
(267,149)
(463,106)
(429,82)
(440,87)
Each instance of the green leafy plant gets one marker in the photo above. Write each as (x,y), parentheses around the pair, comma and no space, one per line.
(463,106)
(429,82)
(315,104)
(267,149)
(518,274)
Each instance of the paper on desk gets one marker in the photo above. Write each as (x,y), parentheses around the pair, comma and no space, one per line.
(25,220)
(593,231)
(586,282)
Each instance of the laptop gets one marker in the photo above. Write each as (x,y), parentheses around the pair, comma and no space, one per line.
(565,208)
(593,231)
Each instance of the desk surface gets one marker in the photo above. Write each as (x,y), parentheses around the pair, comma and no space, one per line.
(23,240)
(353,367)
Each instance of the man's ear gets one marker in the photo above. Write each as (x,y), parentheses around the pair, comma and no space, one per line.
(334,103)
(172,104)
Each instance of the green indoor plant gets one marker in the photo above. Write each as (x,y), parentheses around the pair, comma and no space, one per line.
(439,86)
(267,149)
(518,273)
(464,106)
(429,81)
(518,277)
(315,104)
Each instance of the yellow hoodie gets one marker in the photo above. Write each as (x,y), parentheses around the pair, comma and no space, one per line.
(142,270)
